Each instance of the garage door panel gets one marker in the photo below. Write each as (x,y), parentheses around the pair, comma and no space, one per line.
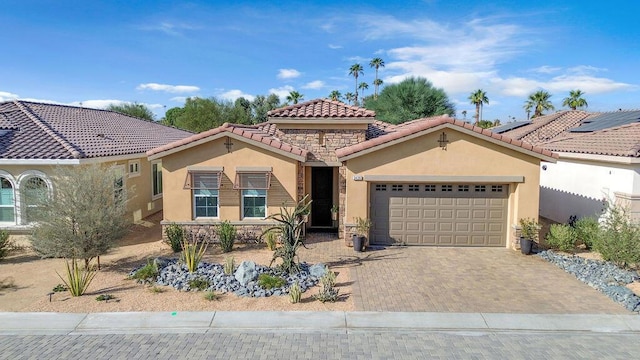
(463,227)
(445,214)
(413,214)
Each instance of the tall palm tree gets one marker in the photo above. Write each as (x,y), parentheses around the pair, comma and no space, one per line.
(363,86)
(356,70)
(349,97)
(335,95)
(294,97)
(478,98)
(376,63)
(464,114)
(575,100)
(539,102)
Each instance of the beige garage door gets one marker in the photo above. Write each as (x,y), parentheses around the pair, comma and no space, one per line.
(439,214)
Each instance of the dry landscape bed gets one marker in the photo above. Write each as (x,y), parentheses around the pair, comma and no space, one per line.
(34,278)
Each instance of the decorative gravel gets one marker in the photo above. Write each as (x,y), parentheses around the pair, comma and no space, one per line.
(601,275)
(176,275)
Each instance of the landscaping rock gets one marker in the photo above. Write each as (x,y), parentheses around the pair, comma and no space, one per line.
(246,272)
(318,270)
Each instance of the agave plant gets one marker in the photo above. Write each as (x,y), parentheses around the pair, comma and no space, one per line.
(78,279)
(290,226)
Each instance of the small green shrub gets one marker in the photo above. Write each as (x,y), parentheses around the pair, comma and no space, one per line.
(270,239)
(227,234)
(328,292)
(192,253)
(77,279)
(328,279)
(561,237)
(105,297)
(229,265)
(157,289)
(199,284)
(175,235)
(210,295)
(59,288)
(529,229)
(147,273)
(6,245)
(295,293)
(619,240)
(587,231)
(267,281)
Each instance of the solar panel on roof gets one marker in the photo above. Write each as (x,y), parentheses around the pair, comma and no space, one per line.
(608,120)
(509,126)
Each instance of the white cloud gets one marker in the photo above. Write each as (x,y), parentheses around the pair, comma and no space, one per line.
(546,69)
(169,28)
(521,87)
(317,84)
(179,99)
(4,96)
(288,73)
(282,91)
(235,94)
(168,88)
(333,46)
(98,104)
(585,70)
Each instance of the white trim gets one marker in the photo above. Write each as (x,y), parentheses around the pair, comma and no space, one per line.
(71,161)
(136,173)
(221,135)
(193,198)
(322,163)
(159,195)
(603,158)
(445,179)
(26,176)
(266,204)
(16,199)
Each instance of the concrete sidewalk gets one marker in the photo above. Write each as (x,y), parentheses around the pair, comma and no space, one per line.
(12,323)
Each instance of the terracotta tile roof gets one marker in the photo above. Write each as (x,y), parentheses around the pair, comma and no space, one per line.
(378,128)
(415,126)
(547,127)
(321,108)
(50,131)
(262,133)
(618,141)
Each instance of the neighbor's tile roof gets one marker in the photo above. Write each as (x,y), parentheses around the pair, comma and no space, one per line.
(415,126)
(262,133)
(321,108)
(618,141)
(548,127)
(51,131)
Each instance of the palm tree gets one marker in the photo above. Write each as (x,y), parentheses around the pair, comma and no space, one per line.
(464,113)
(478,98)
(575,100)
(294,97)
(363,86)
(376,63)
(349,97)
(356,70)
(539,102)
(335,95)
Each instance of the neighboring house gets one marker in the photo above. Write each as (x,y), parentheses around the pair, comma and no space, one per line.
(599,160)
(435,181)
(37,137)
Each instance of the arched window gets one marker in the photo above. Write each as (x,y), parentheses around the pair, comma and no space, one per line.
(7,201)
(34,192)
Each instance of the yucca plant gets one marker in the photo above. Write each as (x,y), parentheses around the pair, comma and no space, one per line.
(229,265)
(295,293)
(289,229)
(192,253)
(78,279)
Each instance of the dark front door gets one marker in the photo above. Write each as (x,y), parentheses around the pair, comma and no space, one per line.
(322,195)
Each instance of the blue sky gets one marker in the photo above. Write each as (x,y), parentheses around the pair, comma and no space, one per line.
(160,52)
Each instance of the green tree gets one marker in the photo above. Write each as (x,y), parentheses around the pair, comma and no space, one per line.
(85,217)
(349,97)
(412,98)
(356,70)
(295,97)
(133,109)
(335,95)
(376,63)
(575,100)
(171,115)
(363,86)
(261,105)
(539,102)
(478,98)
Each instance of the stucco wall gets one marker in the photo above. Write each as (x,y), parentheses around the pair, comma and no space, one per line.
(576,187)
(178,200)
(465,155)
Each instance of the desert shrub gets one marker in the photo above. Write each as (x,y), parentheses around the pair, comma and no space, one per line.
(227,234)
(175,234)
(147,273)
(59,288)
(156,289)
(229,265)
(210,295)
(289,229)
(561,237)
(587,231)
(295,293)
(270,239)
(5,244)
(529,229)
(267,281)
(199,283)
(619,240)
(192,253)
(78,279)
(105,297)
(327,292)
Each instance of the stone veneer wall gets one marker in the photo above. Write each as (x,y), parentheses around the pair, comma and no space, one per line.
(322,144)
(246,232)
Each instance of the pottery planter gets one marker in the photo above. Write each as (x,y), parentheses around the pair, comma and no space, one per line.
(526,245)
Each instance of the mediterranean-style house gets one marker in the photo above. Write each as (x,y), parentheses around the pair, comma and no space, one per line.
(599,161)
(36,137)
(433,181)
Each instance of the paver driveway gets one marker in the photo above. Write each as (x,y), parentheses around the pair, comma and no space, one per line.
(435,279)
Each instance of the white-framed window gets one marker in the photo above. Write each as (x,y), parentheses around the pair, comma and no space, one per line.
(254,203)
(205,191)
(35,191)
(253,185)
(134,168)
(7,200)
(118,181)
(156,179)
